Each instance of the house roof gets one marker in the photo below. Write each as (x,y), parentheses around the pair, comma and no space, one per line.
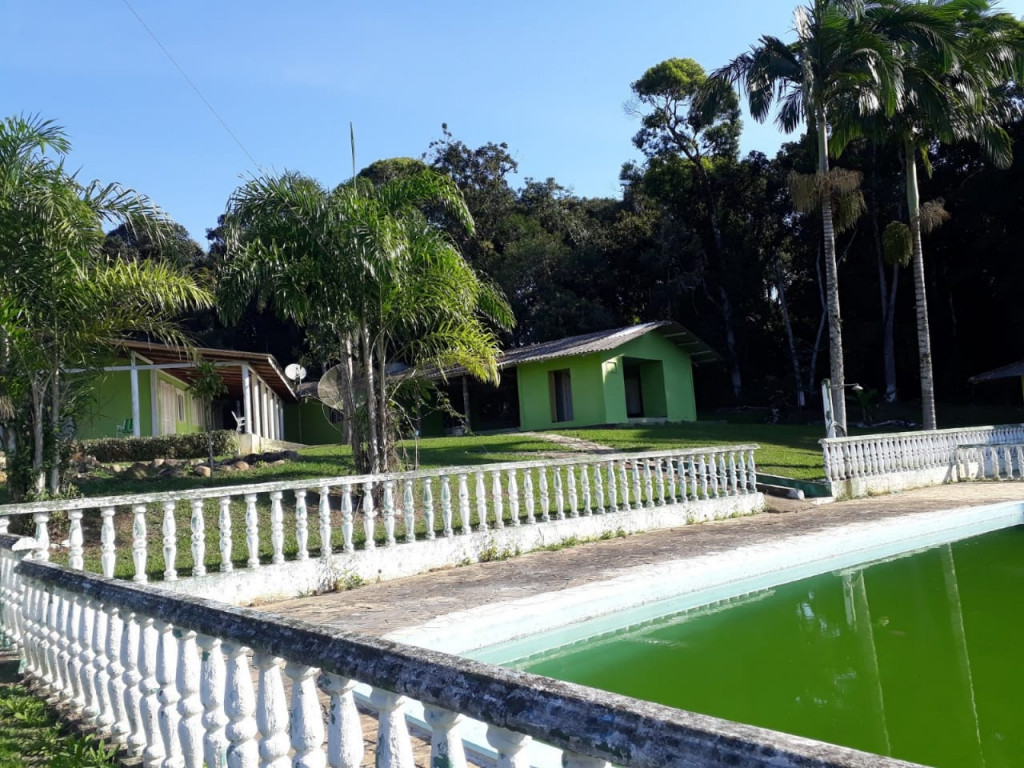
(602,341)
(1011,371)
(263,364)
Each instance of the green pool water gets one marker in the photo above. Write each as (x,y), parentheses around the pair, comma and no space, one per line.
(920,657)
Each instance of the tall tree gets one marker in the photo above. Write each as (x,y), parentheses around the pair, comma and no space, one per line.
(839,50)
(362,267)
(950,93)
(65,303)
(665,98)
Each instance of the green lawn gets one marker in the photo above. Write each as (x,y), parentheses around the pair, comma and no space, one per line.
(788,450)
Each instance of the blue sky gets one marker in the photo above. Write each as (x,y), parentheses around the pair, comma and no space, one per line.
(549,78)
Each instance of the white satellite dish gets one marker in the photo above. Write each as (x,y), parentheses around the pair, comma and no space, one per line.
(295,372)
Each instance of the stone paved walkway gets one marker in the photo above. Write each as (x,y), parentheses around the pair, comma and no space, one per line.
(382,608)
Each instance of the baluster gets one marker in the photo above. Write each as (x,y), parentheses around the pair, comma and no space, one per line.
(428,506)
(598,488)
(252,531)
(168,528)
(576,760)
(481,501)
(71,648)
(29,624)
(76,559)
(198,525)
(464,513)
(347,524)
(510,747)
(271,712)
(393,746)
(570,473)
(673,468)
(530,502)
(166,669)
(139,542)
(723,474)
(345,732)
(301,525)
(826,453)
(446,505)
(190,704)
(4,523)
(513,497)
(108,552)
(119,727)
(559,496)
(306,729)
(735,477)
(587,502)
(52,627)
(226,566)
(713,475)
(212,676)
(239,706)
(497,499)
(100,669)
(751,472)
(613,491)
(638,499)
(545,501)
(276,527)
(86,654)
(369,517)
(409,509)
(624,485)
(324,518)
(42,549)
(131,642)
(149,706)
(659,481)
(389,513)
(445,744)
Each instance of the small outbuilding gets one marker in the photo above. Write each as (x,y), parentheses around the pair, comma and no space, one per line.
(639,374)
(1011,371)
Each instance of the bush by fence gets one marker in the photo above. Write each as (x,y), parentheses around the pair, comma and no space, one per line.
(192,446)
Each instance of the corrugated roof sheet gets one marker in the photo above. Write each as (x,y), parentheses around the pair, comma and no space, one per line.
(603,341)
(1010,371)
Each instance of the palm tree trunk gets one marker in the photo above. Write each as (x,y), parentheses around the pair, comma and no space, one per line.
(924,344)
(38,476)
(383,438)
(371,401)
(55,426)
(886,288)
(835,328)
(348,396)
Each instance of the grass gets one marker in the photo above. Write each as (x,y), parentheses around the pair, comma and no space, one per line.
(30,735)
(786,449)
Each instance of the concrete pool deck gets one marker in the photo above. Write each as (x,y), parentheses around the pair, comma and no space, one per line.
(384,608)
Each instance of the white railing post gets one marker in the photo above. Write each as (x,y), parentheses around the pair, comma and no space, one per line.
(120,727)
(497,499)
(445,744)
(369,517)
(510,746)
(190,704)
(167,696)
(348,525)
(252,531)
(212,675)
(428,506)
(529,500)
(409,511)
(570,489)
(170,541)
(42,550)
(389,513)
(306,724)
(393,746)
(324,515)
(301,525)
(153,753)
(271,712)
(446,506)
(76,559)
(481,500)
(239,706)
(345,732)
(224,532)
(276,528)
(464,513)
(139,555)
(108,551)
(100,669)
(197,525)
(513,497)
(131,642)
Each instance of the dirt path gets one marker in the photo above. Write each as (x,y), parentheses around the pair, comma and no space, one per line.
(570,444)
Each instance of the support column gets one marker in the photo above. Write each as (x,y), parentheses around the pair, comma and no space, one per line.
(136,418)
(264,420)
(257,409)
(280,420)
(247,398)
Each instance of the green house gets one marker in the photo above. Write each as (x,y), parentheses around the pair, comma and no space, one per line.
(639,374)
(145,392)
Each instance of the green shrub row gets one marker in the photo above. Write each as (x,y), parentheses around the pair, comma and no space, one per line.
(192,446)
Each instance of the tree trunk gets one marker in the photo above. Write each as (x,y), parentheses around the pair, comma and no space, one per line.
(812,373)
(55,426)
(38,476)
(383,412)
(348,397)
(780,288)
(924,344)
(887,289)
(835,327)
(371,402)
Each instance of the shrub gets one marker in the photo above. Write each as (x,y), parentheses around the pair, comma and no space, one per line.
(193,446)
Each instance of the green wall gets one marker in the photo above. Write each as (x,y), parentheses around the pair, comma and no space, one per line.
(307,422)
(677,403)
(111,404)
(588,398)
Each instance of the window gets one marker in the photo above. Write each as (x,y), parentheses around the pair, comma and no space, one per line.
(181,406)
(560,386)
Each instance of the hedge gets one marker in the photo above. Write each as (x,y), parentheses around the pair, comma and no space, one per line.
(191,446)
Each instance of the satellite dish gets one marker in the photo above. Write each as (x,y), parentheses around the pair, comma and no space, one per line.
(295,372)
(330,388)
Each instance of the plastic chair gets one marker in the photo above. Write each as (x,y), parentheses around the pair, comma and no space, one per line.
(127,428)
(239,422)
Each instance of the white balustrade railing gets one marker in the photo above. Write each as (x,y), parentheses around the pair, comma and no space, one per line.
(181,533)
(852,458)
(169,679)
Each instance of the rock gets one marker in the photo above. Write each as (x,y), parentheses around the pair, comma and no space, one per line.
(137,471)
(156,463)
(276,463)
(241,465)
(252,458)
(116,468)
(290,455)
(270,457)
(202,471)
(227,468)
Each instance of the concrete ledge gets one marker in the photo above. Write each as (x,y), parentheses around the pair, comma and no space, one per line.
(893,482)
(304,577)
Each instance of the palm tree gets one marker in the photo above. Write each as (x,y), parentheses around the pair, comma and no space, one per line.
(841,51)
(950,93)
(63,302)
(372,280)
